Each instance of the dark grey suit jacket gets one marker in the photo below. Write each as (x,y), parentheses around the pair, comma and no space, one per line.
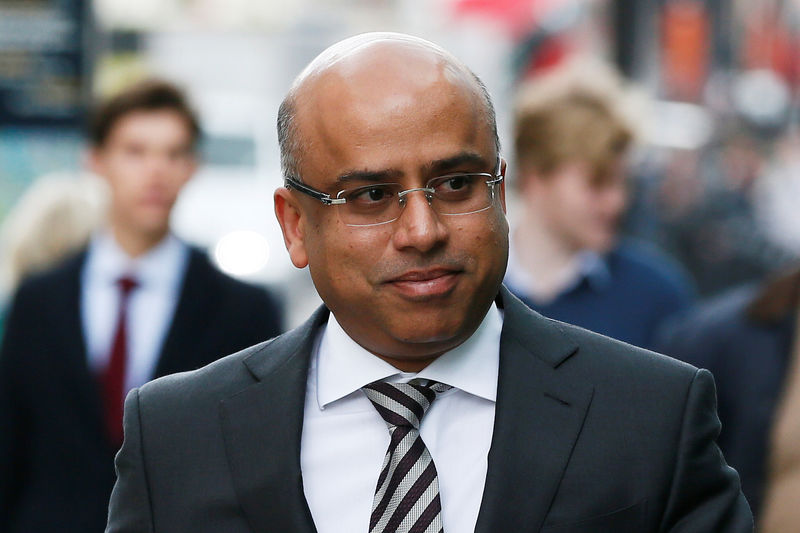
(591,435)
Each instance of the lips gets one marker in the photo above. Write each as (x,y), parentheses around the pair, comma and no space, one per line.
(424,284)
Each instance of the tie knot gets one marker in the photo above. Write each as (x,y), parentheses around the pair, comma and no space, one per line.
(403,404)
(127,284)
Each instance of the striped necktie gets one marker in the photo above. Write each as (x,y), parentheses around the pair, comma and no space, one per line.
(407,495)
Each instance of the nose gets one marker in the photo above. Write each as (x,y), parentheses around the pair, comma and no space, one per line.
(419,227)
(156,164)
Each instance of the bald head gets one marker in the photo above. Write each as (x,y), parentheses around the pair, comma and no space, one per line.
(380,72)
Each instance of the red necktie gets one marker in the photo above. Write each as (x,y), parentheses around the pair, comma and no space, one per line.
(113,379)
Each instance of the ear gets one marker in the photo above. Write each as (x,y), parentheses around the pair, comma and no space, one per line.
(192,164)
(293,226)
(95,162)
(503,169)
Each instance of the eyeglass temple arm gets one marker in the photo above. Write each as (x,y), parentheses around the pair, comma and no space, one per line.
(305,189)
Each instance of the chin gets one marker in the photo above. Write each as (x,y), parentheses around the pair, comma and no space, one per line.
(600,244)
(420,337)
(438,335)
(154,230)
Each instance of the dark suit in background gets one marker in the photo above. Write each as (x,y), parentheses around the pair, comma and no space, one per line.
(56,461)
(591,435)
(744,337)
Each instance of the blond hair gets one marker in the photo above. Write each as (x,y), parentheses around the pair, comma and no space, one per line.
(573,114)
(54,217)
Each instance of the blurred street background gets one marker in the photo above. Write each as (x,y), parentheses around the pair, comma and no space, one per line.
(716,175)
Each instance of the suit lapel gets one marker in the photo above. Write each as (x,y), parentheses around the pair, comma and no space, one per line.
(72,346)
(539,415)
(189,317)
(264,457)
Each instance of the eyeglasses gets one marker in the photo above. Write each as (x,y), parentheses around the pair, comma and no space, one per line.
(382,203)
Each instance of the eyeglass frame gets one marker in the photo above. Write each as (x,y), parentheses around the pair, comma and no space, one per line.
(327,199)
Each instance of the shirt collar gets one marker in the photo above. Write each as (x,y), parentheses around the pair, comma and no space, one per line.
(591,266)
(161,266)
(343,366)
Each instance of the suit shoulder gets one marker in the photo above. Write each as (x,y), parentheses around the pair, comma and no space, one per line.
(202,268)
(231,374)
(222,377)
(644,260)
(51,281)
(606,356)
(723,312)
(712,331)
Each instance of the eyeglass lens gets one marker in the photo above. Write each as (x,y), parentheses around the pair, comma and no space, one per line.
(458,194)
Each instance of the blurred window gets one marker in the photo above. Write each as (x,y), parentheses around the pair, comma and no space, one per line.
(228,151)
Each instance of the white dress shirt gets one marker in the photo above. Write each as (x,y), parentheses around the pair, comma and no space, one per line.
(151,305)
(345,440)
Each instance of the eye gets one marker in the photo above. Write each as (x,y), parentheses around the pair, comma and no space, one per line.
(375,194)
(457,182)
(456,186)
(133,150)
(370,196)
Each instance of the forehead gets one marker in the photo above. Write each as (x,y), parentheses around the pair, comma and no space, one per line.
(156,127)
(393,108)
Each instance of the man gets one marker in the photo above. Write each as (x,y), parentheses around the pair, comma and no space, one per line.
(748,337)
(423,396)
(138,303)
(566,260)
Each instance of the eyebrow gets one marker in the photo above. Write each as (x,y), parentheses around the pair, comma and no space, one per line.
(375,176)
(456,162)
(434,168)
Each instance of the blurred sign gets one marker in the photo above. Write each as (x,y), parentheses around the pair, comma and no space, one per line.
(686,42)
(518,16)
(42,61)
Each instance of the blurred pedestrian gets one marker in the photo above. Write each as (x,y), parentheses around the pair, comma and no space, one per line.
(137,303)
(747,337)
(53,218)
(782,492)
(572,144)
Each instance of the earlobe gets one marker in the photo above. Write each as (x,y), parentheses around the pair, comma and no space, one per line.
(193,165)
(94,162)
(503,168)
(292,222)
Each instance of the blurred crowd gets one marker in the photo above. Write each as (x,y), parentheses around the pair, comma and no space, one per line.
(690,250)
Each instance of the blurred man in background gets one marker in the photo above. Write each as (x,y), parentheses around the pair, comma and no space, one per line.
(572,141)
(137,303)
(748,338)
(53,219)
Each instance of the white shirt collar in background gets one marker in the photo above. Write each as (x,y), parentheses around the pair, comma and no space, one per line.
(159,274)
(587,265)
(160,267)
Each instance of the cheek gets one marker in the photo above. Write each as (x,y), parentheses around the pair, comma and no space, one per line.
(183,173)
(339,255)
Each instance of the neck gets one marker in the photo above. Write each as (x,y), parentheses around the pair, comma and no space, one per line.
(136,243)
(543,255)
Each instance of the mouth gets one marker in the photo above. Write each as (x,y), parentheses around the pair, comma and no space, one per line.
(425,284)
